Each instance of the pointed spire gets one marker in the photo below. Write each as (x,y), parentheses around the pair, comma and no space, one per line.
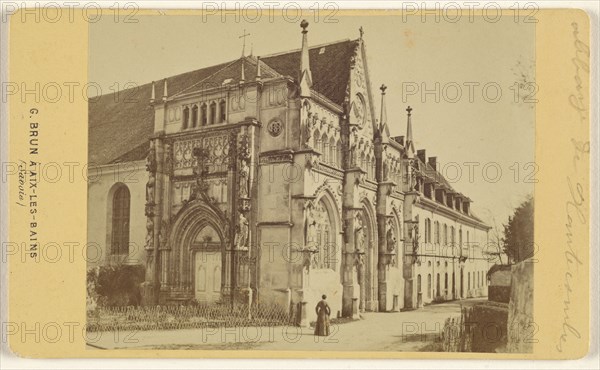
(383,117)
(243,36)
(409,136)
(305,74)
(165,94)
(258,76)
(153,93)
(243,77)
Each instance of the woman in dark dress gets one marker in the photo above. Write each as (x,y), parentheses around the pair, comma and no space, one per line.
(323,312)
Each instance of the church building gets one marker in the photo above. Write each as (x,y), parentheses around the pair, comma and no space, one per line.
(274,180)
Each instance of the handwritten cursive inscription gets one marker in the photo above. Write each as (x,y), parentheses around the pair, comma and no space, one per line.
(576,216)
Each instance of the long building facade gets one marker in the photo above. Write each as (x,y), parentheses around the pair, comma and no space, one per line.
(274,180)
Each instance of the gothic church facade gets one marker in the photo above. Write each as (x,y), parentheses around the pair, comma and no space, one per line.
(274,180)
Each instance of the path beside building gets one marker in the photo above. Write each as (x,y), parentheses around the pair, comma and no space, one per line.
(378,331)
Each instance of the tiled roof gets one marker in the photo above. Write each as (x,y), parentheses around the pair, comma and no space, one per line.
(120,124)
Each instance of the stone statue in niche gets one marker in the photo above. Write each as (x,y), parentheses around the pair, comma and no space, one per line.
(200,188)
(359,232)
(150,188)
(168,160)
(244,179)
(415,236)
(151,159)
(241,236)
(359,261)
(386,171)
(390,237)
(306,116)
(414,170)
(149,233)
(310,226)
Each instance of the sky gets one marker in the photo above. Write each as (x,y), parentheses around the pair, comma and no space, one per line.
(477,125)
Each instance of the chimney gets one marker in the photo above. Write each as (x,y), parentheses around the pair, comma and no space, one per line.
(433,163)
(305,74)
(421,155)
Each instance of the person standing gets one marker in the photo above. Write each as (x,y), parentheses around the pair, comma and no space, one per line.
(323,312)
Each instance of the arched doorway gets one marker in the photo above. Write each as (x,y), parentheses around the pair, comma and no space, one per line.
(370,281)
(199,262)
(207,247)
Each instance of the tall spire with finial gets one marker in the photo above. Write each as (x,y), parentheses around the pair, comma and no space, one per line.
(165,93)
(153,93)
(383,117)
(409,135)
(258,75)
(243,36)
(243,77)
(305,74)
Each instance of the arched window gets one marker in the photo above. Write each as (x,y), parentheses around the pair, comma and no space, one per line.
(452,236)
(120,221)
(446,283)
(222,111)
(373,169)
(436,232)
(332,152)
(326,255)
(445,234)
(339,154)
(437,285)
(186,117)
(428,285)
(324,148)
(203,115)
(194,122)
(460,238)
(213,113)
(468,281)
(419,283)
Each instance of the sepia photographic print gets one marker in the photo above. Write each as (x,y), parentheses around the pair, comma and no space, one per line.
(348,182)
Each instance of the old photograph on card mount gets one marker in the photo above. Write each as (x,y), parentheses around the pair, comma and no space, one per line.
(360,184)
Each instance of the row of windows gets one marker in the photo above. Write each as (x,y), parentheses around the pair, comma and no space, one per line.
(204,114)
(437,235)
(331,151)
(475,279)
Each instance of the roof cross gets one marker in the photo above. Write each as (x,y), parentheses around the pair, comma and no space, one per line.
(243,36)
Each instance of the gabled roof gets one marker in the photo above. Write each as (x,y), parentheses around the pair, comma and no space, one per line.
(120,124)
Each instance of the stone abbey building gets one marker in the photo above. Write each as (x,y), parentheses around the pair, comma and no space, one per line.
(275,179)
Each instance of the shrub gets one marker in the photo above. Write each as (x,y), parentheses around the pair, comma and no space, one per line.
(117,285)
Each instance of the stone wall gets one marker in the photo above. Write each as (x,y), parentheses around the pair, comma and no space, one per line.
(521,324)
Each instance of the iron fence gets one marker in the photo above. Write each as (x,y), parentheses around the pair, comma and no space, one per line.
(185,317)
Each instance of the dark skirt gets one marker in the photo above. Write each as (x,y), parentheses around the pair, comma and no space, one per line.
(322,326)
